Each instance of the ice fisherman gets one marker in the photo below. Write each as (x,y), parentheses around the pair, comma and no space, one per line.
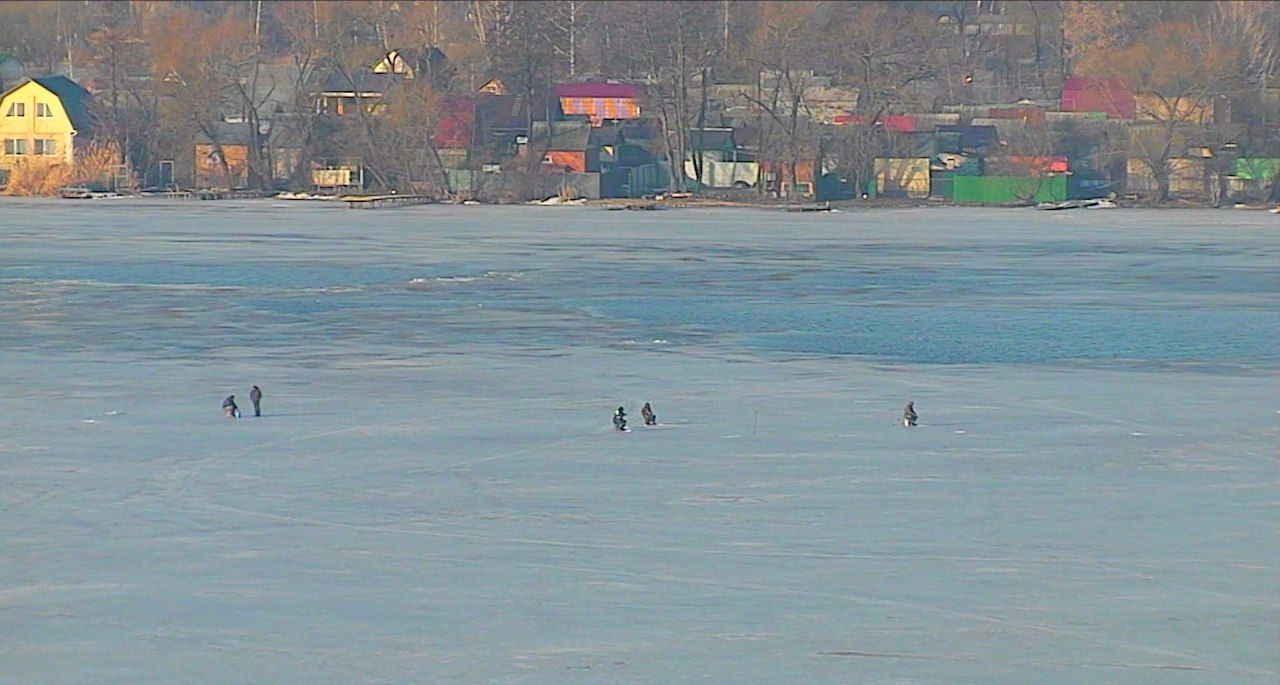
(620,419)
(255,396)
(229,408)
(650,419)
(909,415)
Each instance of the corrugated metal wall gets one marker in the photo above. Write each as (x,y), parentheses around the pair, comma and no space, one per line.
(902,176)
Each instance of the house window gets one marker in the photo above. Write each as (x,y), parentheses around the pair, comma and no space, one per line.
(15,146)
(17,109)
(44,111)
(45,146)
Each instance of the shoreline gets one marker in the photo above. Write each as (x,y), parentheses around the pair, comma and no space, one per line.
(653,204)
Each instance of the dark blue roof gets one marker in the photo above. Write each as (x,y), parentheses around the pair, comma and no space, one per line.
(365,82)
(75,99)
(971,136)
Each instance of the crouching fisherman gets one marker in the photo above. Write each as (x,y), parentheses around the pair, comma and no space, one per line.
(229,408)
(650,419)
(620,419)
(909,415)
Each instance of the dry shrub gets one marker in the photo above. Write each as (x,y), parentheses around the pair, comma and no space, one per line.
(44,177)
(96,163)
(38,178)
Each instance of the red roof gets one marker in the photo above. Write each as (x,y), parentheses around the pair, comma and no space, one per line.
(596,89)
(898,123)
(1090,94)
(1042,164)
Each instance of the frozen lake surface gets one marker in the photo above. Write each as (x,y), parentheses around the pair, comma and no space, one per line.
(434,493)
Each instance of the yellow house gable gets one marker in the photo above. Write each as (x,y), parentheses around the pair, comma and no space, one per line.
(35,124)
(394,63)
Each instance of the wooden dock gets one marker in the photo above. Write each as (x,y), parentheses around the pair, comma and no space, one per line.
(813,207)
(375,201)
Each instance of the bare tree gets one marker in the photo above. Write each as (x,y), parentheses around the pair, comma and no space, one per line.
(1253,29)
(674,41)
(192,58)
(126,107)
(786,54)
(1177,71)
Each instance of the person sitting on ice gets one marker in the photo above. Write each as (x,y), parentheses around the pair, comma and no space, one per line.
(229,408)
(650,419)
(620,419)
(909,415)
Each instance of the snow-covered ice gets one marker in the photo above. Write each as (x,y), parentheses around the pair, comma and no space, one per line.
(434,493)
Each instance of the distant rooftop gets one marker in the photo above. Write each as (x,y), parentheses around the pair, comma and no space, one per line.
(598,89)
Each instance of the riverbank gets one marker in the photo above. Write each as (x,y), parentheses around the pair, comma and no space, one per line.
(634,204)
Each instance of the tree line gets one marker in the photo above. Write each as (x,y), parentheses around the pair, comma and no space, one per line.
(164,71)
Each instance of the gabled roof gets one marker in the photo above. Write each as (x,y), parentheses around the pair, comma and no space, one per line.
(276,86)
(1097,83)
(1091,94)
(239,133)
(607,135)
(502,111)
(597,89)
(509,112)
(75,99)
(493,87)
(411,58)
(971,136)
(564,135)
(365,82)
(624,132)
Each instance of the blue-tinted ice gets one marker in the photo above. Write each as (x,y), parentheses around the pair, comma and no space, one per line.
(434,493)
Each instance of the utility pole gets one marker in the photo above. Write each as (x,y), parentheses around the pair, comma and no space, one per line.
(725,45)
(573,43)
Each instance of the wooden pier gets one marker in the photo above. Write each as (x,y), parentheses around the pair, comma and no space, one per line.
(375,201)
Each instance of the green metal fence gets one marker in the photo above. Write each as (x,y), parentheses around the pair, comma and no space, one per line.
(1253,168)
(1000,190)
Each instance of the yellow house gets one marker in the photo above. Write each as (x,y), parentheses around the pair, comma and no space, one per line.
(41,119)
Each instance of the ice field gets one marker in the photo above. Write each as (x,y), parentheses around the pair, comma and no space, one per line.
(434,493)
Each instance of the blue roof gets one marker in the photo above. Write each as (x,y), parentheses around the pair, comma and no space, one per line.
(75,99)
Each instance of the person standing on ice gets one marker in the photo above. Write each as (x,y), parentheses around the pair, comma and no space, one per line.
(255,396)
(650,419)
(620,419)
(909,415)
(229,408)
